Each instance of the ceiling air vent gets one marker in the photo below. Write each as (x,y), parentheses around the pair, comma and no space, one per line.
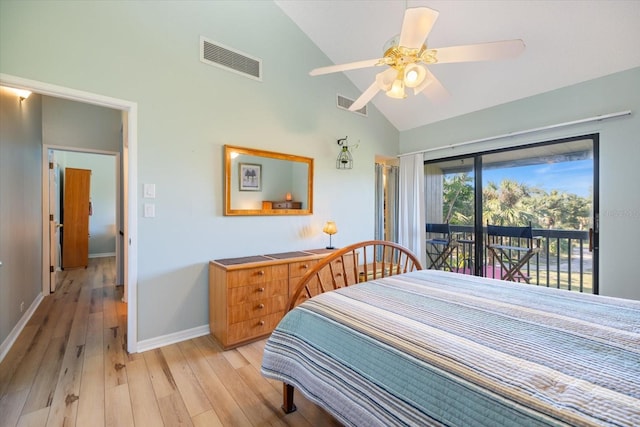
(344,103)
(214,53)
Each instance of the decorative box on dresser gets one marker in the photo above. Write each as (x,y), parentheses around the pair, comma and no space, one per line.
(248,295)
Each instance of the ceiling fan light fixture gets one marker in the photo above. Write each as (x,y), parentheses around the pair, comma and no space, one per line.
(408,59)
(385,79)
(414,75)
(397,90)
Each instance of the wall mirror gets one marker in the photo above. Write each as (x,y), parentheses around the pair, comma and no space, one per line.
(259,182)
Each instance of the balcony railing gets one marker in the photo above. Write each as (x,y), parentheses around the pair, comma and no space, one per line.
(564,262)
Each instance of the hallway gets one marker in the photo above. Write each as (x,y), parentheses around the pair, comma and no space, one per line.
(69,367)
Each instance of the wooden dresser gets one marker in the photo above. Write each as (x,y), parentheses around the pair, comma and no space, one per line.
(248,295)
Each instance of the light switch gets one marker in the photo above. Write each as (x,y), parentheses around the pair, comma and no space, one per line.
(149,191)
(149,210)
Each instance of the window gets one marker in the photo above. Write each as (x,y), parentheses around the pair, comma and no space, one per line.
(551,185)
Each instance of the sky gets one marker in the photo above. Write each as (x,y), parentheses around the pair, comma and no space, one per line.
(574,177)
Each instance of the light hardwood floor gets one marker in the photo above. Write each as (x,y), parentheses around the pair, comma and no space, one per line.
(69,367)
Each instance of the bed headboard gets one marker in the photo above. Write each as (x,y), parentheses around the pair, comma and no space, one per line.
(356,263)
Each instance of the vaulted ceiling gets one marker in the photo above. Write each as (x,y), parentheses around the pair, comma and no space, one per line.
(567,42)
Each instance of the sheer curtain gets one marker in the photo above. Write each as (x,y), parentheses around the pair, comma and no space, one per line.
(411,212)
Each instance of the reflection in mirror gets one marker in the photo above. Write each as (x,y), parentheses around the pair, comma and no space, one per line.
(259,182)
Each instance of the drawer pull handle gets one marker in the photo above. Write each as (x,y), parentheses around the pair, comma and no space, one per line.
(261,323)
(261,273)
(260,289)
(260,306)
(338,274)
(305,266)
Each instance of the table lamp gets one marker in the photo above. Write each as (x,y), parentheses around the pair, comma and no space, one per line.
(331,229)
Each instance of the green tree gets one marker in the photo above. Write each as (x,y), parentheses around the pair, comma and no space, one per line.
(562,210)
(507,204)
(457,207)
(514,203)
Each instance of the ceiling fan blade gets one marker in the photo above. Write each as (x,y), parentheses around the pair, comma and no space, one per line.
(383,82)
(416,26)
(479,52)
(346,67)
(433,89)
(385,79)
(366,96)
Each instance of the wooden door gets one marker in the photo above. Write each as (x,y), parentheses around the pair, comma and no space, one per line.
(75,218)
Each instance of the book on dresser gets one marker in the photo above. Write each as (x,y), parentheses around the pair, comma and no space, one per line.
(248,295)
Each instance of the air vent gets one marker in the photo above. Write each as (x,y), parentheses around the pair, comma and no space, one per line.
(214,53)
(345,103)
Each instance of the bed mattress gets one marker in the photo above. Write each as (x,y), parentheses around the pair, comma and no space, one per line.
(437,348)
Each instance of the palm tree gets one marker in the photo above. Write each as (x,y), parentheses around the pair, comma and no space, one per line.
(458,199)
(506,205)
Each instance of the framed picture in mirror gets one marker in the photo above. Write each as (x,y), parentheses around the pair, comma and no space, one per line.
(250,177)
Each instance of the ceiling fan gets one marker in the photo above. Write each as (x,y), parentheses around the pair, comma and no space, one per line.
(407,56)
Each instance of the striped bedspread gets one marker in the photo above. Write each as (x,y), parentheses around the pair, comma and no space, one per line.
(437,348)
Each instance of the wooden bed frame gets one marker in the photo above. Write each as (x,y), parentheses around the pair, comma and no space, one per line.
(357,263)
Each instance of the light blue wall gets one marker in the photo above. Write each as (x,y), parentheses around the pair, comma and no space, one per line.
(619,156)
(20,215)
(73,124)
(148,53)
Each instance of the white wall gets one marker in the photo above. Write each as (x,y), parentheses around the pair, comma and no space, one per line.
(148,53)
(20,208)
(619,156)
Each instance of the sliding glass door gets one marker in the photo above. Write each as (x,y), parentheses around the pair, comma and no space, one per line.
(450,201)
(550,186)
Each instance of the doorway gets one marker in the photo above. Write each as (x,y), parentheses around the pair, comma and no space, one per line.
(129,184)
(550,186)
(100,209)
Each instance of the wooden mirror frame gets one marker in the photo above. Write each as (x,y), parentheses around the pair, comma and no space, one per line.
(307,205)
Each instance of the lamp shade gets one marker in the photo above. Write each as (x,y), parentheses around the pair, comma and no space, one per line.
(397,90)
(330,228)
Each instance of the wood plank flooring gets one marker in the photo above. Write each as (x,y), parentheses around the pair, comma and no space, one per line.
(69,367)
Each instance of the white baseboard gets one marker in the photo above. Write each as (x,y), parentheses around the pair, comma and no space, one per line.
(173,338)
(15,332)
(102,255)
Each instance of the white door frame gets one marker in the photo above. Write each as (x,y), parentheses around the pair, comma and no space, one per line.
(130,201)
(45,198)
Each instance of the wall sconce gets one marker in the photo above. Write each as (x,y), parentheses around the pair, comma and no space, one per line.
(23,94)
(331,229)
(344,160)
(20,93)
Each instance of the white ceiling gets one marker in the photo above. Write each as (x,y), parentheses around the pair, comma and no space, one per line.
(566,42)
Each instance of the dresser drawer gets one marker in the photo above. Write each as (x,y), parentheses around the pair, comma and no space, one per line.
(342,272)
(255,275)
(254,327)
(349,270)
(298,269)
(286,205)
(248,296)
(258,291)
(255,309)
